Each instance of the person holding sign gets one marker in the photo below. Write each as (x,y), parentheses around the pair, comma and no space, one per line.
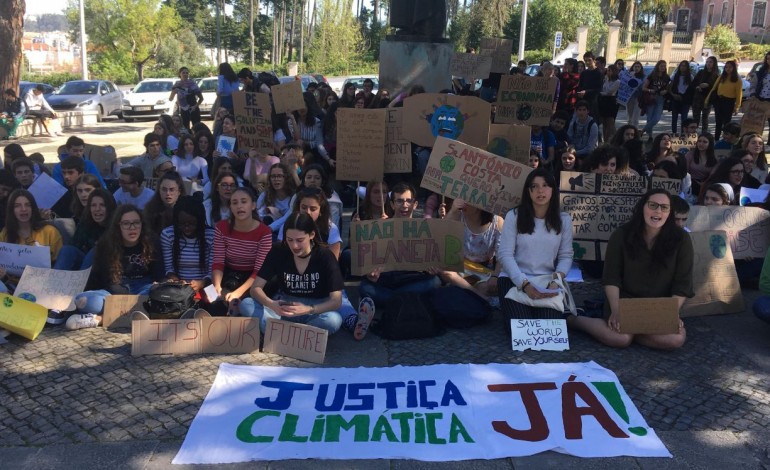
(535,248)
(648,257)
(311,284)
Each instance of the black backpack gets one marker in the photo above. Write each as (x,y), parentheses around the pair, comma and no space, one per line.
(268,79)
(169,300)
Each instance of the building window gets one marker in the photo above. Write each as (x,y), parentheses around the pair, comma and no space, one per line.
(758,14)
(723,18)
(710,14)
(683,19)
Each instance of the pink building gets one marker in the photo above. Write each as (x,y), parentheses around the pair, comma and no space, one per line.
(750,17)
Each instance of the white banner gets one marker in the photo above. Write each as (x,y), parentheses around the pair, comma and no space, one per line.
(433,413)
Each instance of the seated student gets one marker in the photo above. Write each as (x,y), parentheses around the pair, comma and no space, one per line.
(718,194)
(152,158)
(536,241)
(534,159)
(681,211)
(84,186)
(13,114)
(701,160)
(273,205)
(72,168)
(583,132)
(241,244)
(24,172)
(76,147)
(730,140)
(543,142)
(311,284)
(761,306)
(293,157)
(188,165)
(131,190)
(314,176)
(218,205)
(374,206)
(11,153)
(257,168)
(380,286)
(603,160)
(558,127)
(187,245)
(40,166)
(159,212)
(92,225)
(731,171)
(128,262)
(221,165)
(567,161)
(649,256)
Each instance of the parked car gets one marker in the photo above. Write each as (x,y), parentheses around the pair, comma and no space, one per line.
(359,82)
(320,78)
(93,95)
(149,99)
(306,79)
(532,70)
(24,88)
(208,88)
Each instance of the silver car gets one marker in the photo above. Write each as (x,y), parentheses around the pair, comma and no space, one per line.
(88,95)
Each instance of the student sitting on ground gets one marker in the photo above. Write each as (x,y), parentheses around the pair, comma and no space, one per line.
(583,132)
(649,256)
(152,158)
(187,244)
(76,147)
(131,190)
(93,223)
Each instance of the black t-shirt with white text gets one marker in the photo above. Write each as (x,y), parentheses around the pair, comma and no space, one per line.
(321,278)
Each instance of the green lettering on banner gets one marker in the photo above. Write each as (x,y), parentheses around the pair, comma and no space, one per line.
(382,426)
(244,431)
(336,422)
(457,429)
(430,421)
(289,430)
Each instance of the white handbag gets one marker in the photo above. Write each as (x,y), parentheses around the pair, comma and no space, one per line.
(563,302)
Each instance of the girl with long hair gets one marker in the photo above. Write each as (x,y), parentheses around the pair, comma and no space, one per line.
(158,213)
(536,241)
(227,83)
(187,245)
(84,185)
(218,205)
(729,170)
(307,130)
(726,96)
(680,95)
(311,285)
(314,176)
(608,105)
(204,148)
(661,150)
(632,107)
(274,203)
(93,224)
(188,164)
(655,91)
(701,160)
(312,201)
(754,145)
(221,165)
(701,85)
(228,130)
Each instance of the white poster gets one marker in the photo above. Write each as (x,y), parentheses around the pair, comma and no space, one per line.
(628,85)
(52,288)
(432,413)
(14,258)
(47,191)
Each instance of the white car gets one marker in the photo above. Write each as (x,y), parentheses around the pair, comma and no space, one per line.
(149,99)
(208,88)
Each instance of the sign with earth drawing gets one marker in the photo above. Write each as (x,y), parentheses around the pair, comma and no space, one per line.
(462,118)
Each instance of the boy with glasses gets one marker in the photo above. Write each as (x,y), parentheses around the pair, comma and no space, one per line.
(131,190)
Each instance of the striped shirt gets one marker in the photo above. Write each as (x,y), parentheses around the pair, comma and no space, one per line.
(189,267)
(240,251)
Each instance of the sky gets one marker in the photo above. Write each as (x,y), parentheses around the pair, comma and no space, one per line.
(39,7)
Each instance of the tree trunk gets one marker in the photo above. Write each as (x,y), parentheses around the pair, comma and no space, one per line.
(301,34)
(11,32)
(312,21)
(291,29)
(376,10)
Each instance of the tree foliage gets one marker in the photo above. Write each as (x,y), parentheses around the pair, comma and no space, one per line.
(722,39)
(337,44)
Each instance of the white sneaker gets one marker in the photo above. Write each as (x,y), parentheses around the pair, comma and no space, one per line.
(81,320)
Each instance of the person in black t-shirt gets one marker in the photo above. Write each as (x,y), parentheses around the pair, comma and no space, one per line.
(309,278)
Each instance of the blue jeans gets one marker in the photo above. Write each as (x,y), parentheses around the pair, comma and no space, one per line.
(71,258)
(762,308)
(329,321)
(382,294)
(654,112)
(91,301)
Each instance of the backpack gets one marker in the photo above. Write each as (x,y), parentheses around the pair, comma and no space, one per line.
(408,315)
(268,79)
(457,307)
(169,300)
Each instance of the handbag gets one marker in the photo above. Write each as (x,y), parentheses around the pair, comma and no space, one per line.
(169,300)
(562,302)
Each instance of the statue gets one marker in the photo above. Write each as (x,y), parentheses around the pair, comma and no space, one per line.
(424,18)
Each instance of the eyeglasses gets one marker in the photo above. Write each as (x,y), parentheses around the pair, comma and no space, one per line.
(277,176)
(227,186)
(126,225)
(653,206)
(404,202)
(736,172)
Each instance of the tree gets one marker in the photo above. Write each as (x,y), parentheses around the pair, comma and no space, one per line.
(722,39)
(125,31)
(337,42)
(11,32)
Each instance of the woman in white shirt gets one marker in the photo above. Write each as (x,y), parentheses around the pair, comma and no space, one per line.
(190,167)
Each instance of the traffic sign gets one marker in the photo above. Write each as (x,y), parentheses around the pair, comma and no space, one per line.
(557,40)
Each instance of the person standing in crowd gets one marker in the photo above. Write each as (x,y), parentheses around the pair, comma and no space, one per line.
(632,107)
(649,256)
(654,94)
(608,104)
(227,83)
(590,83)
(726,96)
(536,241)
(680,94)
(13,113)
(701,86)
(760,85)
(189,98)
(569,80)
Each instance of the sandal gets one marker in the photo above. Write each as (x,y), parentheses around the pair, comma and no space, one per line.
(365,316)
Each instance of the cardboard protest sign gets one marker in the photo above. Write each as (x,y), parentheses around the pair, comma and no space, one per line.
(755,115)
(599,204)
(118,310)
(14,258)
(52,288)
(400,244)
(650,316)
(752,196)
(628,86)
(714,278)
(539,335)
(47,191)
(480,178)
(683,141)
(303,342)
(287,97)
(205,335)
(253,121)
(510,141)
(525,100)
(398,149)
(104,157)
(500,50)
(22,317)
(430,115)
(360,144)
(470,66)
(748,228)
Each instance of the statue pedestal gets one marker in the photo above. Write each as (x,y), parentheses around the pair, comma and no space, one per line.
(407,63)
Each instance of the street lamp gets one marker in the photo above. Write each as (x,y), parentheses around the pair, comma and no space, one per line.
(523,29)
(83,58)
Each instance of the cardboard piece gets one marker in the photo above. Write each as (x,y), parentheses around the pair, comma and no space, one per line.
(470,66)
(539,335)
(14,258)
(47,191)
(683,141)
(303,342)
(287,97)
(510,141)
(118,309)
(52,288)
(525,100)
(104,157)
(628,85)
(22,317)
(748,228)
(755,115)
(599,204)
(463,118)
(360,144)
(398,149)
(717,289)
(480,178)
(500,50)
(650,316)
(253,121)
(201,335)
(752,196)
(406,245)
